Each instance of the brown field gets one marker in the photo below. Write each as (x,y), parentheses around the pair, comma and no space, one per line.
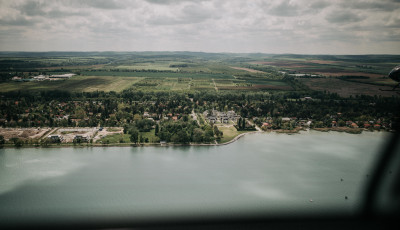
(236,88)
(283,64)
(275,87)
(345,88)
(256,87)
(339,73)
(23,133)
(68,134)
(247,69)
(99,66)
(323,62)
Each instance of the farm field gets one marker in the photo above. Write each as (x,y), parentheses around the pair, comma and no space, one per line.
(346,89)
(187,71)
(340,74)
(23,133)
(372,66)
(75,84)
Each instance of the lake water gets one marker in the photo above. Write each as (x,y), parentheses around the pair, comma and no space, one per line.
(269,173)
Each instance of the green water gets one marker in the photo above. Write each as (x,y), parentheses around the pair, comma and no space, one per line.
(265,173)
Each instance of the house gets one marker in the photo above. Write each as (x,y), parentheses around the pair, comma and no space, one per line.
(377,126)
(55,138)
(266,125)
(354,125)
(175,118)
(61,76)
(16,78)
(334,124)
(224,119)
(212,119)
(215,115)
(81,138)
(39,78)
(285,119)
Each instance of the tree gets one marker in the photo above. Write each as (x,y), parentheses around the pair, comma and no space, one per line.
(17,142)
(217,133)
(156,130)
(2,140)
(198,135)
(134,135)
(239,123)
(181,137)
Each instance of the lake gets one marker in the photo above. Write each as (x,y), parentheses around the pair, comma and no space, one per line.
(264,172)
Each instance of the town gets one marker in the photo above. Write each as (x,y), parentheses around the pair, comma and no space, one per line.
(153,118)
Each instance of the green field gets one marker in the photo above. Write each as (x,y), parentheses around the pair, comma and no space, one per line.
(230,132)
(125,138)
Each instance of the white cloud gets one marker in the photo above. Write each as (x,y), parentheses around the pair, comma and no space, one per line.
(277,26)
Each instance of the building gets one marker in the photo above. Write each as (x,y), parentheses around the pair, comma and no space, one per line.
(216,116)
(212,119)
(55,138)
(61,76)
(16,78)
(40,78)
(81,138)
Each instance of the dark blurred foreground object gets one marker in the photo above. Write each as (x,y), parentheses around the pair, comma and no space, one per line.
(395,75)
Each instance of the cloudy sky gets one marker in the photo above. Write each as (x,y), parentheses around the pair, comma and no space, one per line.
(269,26)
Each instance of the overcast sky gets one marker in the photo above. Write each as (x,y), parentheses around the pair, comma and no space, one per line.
(281,26)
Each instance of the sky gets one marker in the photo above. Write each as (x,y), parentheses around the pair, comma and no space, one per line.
(234,26)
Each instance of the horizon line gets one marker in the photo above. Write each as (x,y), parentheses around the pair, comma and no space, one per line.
(187,51)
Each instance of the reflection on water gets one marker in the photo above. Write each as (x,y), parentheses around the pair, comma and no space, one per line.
(268,172)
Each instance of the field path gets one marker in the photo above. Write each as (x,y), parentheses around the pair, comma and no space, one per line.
(237,137)
(256,126)
(215,85)
(195,117)
(247,69)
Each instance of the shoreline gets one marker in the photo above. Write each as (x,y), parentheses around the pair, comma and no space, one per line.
(278,131)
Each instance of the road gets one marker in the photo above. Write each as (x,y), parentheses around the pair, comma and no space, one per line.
(256,126)
(195,117)
(215,85)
